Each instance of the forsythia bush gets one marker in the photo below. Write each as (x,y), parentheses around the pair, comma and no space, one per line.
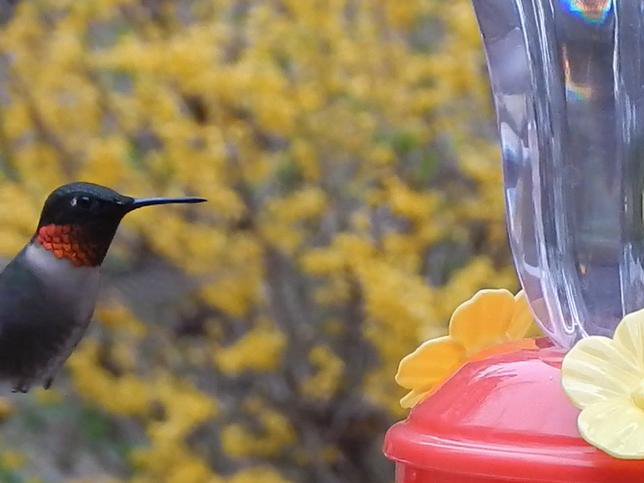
(347,152)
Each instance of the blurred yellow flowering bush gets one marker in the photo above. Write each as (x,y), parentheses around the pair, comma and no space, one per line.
(355,200)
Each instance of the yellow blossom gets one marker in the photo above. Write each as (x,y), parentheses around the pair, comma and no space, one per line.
(6,409)
(118,317)
(329,369)
(253,475)
(260,349)
(275,435)
(12,459)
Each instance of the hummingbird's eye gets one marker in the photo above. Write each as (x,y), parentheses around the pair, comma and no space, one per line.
(81,201)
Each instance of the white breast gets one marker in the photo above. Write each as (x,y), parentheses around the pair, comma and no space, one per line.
(76,286)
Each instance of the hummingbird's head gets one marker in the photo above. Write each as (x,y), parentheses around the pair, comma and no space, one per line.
(79,220)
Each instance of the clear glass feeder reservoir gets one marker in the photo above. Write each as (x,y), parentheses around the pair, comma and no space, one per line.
(568,84)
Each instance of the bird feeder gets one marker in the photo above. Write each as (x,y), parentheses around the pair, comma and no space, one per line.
(567,78)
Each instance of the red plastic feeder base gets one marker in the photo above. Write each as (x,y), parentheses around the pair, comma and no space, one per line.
(501,419)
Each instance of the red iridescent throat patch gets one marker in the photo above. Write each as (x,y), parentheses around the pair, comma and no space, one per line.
(68,242)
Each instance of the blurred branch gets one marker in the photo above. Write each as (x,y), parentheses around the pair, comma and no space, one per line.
(7,7)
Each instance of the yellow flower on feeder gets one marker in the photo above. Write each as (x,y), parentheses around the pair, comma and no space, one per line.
(605,379)
(492,321)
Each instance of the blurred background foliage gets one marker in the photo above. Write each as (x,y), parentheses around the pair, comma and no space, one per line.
(347,151)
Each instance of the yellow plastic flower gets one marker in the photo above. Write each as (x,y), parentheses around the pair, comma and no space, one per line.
(492,321)
(605,379)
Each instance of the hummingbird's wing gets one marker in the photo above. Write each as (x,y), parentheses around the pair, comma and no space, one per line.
(35,325)
(65,351)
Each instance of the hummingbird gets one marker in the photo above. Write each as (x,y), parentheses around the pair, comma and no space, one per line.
(48,291)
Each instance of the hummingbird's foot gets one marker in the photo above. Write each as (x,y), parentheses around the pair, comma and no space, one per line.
(22,387)
(48,382)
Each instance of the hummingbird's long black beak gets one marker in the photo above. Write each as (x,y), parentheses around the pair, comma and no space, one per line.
(141,202)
